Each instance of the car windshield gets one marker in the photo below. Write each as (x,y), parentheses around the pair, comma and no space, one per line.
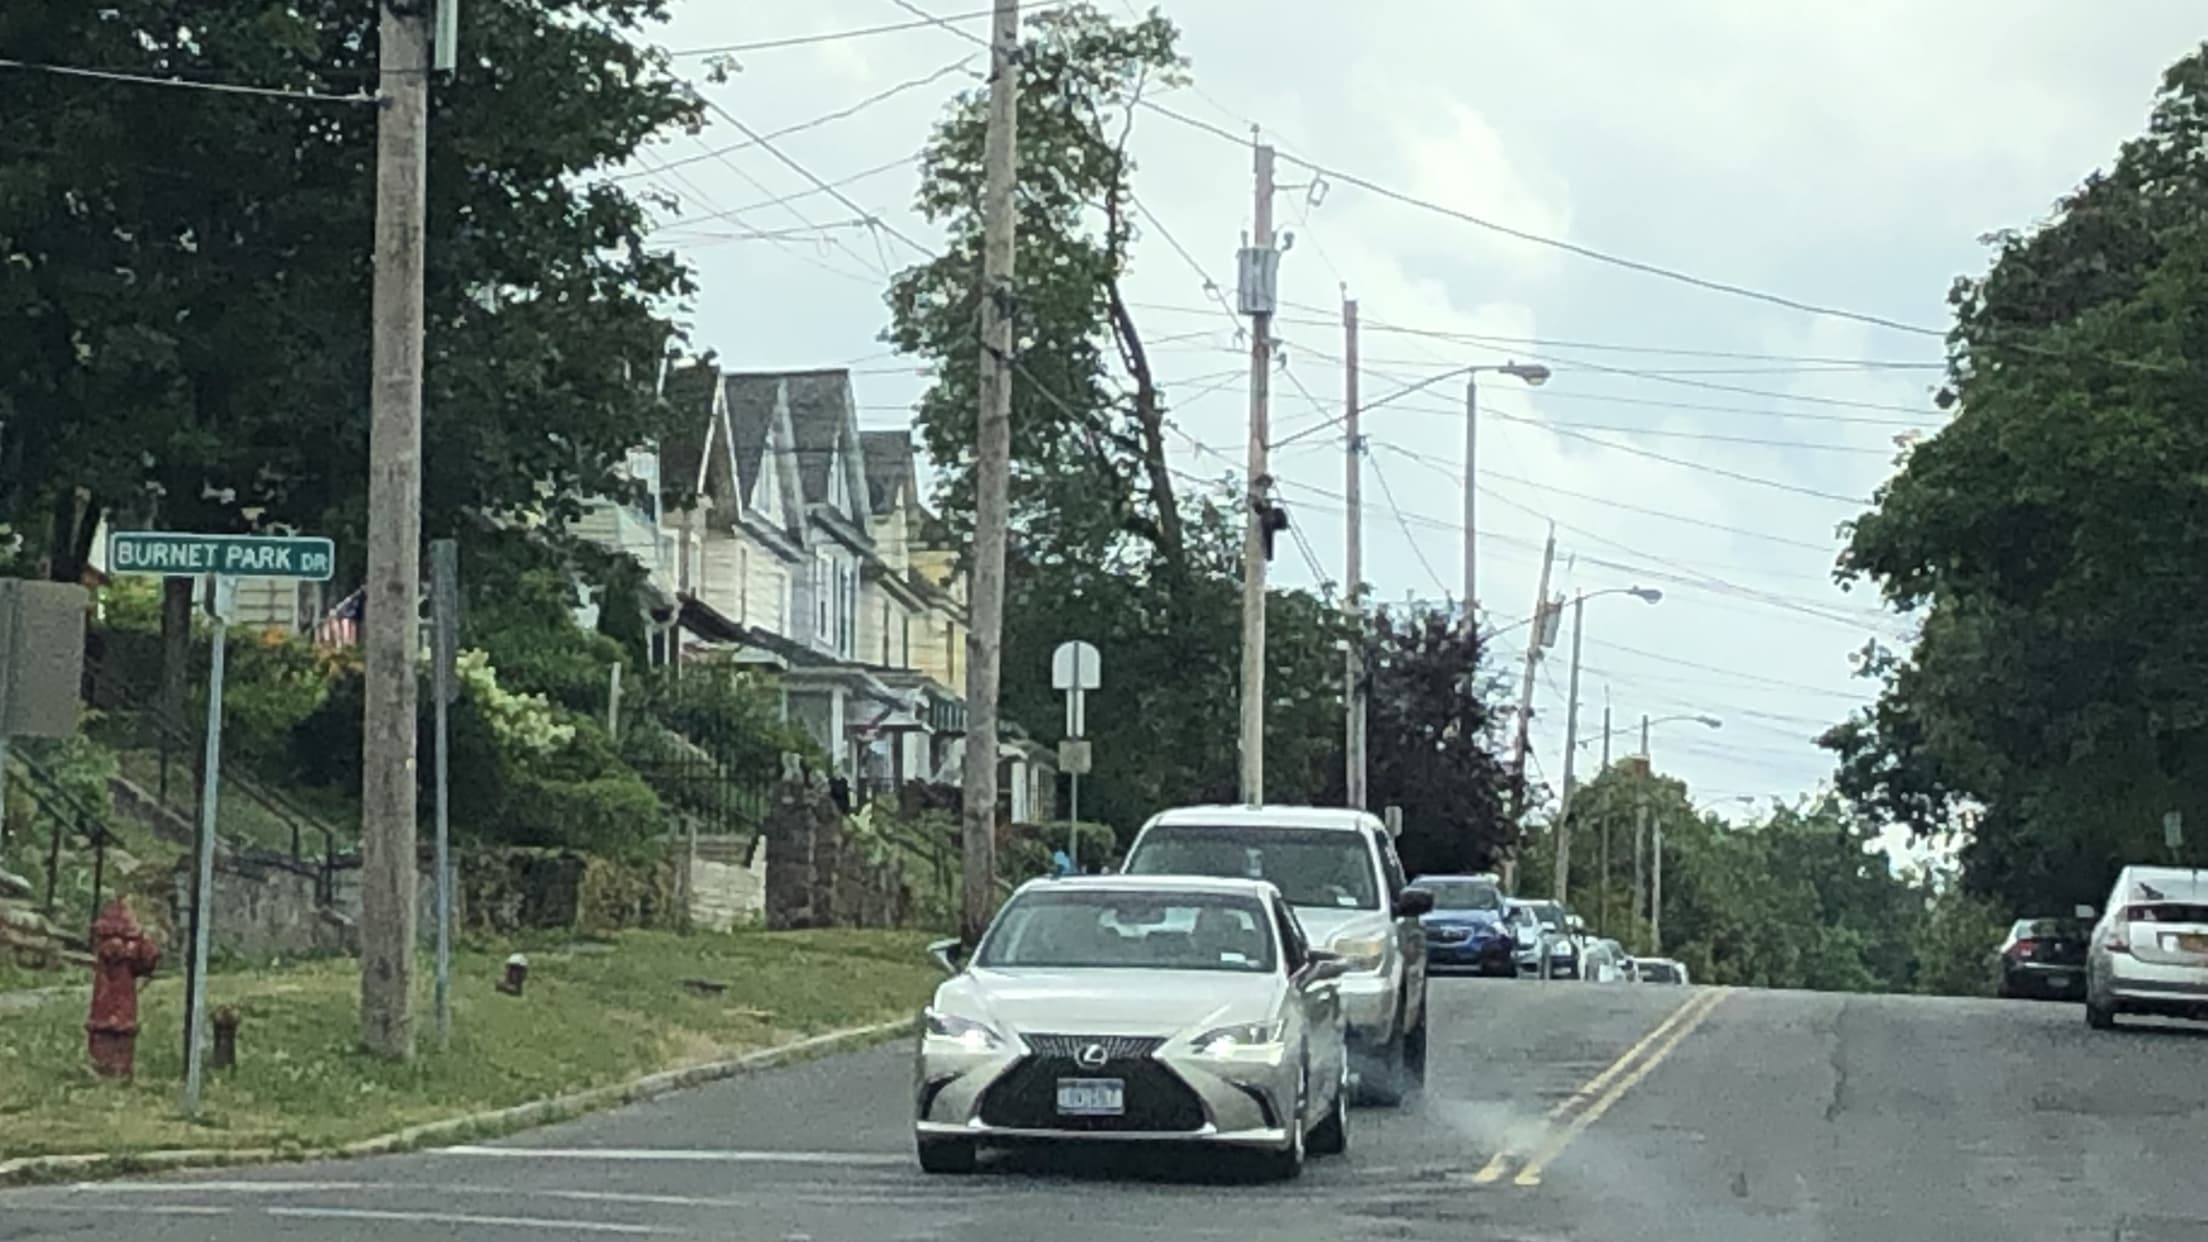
(1100,930)
(1462,894)
(1659,972)
(1548,912)
(1310,866)
(2049,929)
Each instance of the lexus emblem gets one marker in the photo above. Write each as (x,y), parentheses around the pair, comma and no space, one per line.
(1092,1057)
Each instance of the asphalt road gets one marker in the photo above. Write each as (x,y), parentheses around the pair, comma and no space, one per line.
(1554,1111)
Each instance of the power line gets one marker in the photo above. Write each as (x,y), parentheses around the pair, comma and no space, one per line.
(1401,520)
(873,221)
(1585,252)
(873,100)
(780,200)
(1838,362)
(838,36)
(226,88)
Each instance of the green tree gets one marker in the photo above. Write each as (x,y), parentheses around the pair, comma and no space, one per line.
(184,274)
(2048,540)
(1105,548)
(1431,741)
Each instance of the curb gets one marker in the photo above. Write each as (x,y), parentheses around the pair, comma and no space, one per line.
(34,1169)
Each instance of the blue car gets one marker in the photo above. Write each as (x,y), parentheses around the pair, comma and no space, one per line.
(1466,931)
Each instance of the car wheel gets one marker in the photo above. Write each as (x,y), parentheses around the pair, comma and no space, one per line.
(1331,1136)
(2098,1018)
(1287,1164)
(948,1155)
(1414,1055)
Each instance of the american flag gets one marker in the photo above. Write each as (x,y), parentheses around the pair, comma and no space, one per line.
(340,626)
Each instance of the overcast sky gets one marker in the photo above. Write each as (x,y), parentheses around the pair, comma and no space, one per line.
(1846,156)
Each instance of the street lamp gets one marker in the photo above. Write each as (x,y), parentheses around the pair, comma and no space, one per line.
(1534,375)
(1647,595)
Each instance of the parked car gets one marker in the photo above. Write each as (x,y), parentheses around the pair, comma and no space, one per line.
(1661,970)
(1526,936)
(1566,935)
(1607,962)
(1110,1007)
(1339,869)
(1465,930)
(2044,958)
(2149,951)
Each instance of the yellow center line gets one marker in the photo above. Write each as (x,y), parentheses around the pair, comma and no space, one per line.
(1496,1167)
(1530,1174)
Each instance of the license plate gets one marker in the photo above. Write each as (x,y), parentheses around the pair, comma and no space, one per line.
(2061,983)
(1092,1097)
(2193,944)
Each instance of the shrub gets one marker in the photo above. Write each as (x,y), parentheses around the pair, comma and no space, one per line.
(611,814)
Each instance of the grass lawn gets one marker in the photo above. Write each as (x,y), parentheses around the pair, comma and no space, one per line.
(592,1015)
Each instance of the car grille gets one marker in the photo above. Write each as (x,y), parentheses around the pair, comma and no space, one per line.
(1116,1047)
(1157,1101)
(1449,935)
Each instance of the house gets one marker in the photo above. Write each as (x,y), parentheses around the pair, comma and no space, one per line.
(800,546)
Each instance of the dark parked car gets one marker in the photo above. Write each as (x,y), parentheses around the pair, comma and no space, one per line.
(2045,958)
(1465,930)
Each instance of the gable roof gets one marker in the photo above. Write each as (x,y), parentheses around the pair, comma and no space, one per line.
(889,467)
(823,425)
(690,391)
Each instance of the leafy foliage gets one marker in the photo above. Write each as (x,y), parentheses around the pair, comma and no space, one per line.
(2049,538)
(1431,742)
(1105,548)
(187,272)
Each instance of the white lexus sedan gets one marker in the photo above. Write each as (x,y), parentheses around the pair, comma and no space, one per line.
(1135,1008)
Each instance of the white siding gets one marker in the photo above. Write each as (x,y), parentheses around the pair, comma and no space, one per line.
(767,591)
(720,584)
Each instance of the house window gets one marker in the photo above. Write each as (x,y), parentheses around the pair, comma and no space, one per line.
(848,613)
(904,641)
(886,661)
(825,588)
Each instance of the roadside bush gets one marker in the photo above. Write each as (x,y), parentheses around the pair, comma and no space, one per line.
(272,685)
(616,813)
(1954,944)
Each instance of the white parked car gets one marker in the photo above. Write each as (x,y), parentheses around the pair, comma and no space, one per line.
(1660,970)
(1159,1009)
(2149,952)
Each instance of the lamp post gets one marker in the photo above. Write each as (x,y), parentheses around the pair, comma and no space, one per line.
(1534,375)
(1647,595)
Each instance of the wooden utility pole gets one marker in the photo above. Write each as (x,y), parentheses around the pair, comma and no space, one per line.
(389,636)
(1353,567)
(992,480)
(1259,288)
(1564,823)
(1521,737)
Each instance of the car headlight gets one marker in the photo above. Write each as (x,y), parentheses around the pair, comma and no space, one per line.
(965,1032)
(1362,953)
(1241,1037)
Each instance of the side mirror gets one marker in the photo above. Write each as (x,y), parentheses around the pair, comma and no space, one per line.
(949,954)
(2086,912)
(1414,903)
(1322,965)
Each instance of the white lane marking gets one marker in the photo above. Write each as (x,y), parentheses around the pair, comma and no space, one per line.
(462,1218)
(126,1209)
(679,1156)
(433,1188)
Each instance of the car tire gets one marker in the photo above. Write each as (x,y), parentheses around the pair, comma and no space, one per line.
(1414,1055)
(2098,1018)
(950,1156)
(1331,1136)
(1286,1165)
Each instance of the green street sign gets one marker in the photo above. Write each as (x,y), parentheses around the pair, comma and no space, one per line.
(168,554)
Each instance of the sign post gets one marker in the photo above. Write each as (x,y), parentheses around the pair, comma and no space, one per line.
(2173,833)
(1076,669)
(222,560)
(444,601)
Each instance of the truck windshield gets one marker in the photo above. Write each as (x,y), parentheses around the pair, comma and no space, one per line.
(1321,867)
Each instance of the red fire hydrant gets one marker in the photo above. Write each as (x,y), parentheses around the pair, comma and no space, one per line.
(122,954)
